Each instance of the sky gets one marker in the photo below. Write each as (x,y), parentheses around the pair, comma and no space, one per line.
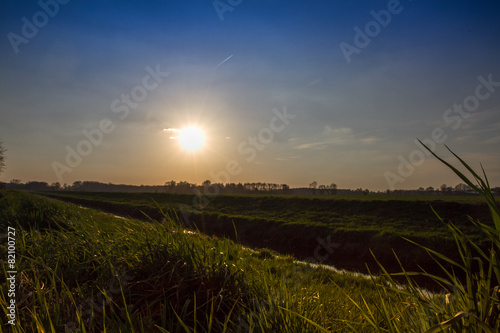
(285,91)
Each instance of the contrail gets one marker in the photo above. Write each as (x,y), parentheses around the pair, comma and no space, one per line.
(224,60)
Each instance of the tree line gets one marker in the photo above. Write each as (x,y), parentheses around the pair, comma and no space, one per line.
(184,187)
(207,186)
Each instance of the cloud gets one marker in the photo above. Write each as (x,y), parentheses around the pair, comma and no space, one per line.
(315,82)
(287,158)
(315,145)
(492,140)
(464,138)
(334,136)
(174,130)
(328,131)
(369,140)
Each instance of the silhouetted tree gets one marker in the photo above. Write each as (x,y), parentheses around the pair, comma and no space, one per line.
(2,156)
(36,186)
(77,185)
(333,188)
(462,188)
(444,188)
(322,189)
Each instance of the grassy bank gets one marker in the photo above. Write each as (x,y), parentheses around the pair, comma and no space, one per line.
(294,225)
(83,270)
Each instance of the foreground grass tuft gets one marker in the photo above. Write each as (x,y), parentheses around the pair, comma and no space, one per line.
(473,301)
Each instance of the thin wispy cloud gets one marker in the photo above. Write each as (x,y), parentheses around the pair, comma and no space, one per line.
(336,137)
(174,131)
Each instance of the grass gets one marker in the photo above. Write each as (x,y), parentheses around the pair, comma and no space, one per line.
(473,305)
(85,271)
(293,224)
(391,197)
(406,216)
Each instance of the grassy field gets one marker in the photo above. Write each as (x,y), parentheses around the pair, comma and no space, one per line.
(391,197)
(83,270)
(296,225)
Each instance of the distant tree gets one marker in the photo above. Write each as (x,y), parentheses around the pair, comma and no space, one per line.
(322,189)
(76,185)
(430,189)
(313,185)
(2,156)
(229,188)
(462,187)
(333,188)
(15,181)
(55,186)
(36,186)
(285,188)
(421,189)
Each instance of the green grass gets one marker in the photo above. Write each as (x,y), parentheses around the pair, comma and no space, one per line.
(406,216)
(90,271)
(390,197)
(293,224)
(473,305)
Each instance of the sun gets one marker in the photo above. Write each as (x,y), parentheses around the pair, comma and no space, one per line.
(191,138)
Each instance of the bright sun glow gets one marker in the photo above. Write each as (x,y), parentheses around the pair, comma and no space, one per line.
(191,138)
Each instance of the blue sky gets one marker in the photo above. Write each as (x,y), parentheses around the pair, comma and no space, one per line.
(355,120)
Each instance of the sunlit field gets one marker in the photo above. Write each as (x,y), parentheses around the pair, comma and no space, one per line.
(293,224)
